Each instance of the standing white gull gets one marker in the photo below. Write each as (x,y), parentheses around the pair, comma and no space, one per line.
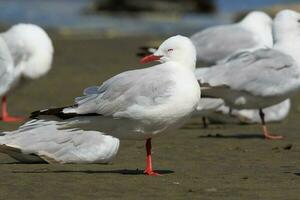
(258,79)
(214,109)
(26,53)
(218,42)
(137,104)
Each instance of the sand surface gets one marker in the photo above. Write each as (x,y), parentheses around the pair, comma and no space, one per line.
(221,162)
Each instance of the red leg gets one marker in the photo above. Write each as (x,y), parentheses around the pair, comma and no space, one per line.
(265,130)
(269,136)
(149,171)
(5,116)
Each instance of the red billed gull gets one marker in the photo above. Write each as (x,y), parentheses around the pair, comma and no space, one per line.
(137,104)
(262,78)
(26,53)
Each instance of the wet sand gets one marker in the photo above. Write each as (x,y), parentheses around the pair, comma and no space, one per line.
(221,162)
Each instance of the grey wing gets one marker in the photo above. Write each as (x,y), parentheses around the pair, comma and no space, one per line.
(6,68)
(55,142)
(265,72)
(136,88)
(207,106)
(216,43)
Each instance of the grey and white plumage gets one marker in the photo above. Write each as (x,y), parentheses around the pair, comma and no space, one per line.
(220,112)
(261,78)
(218,42)
(55,142)
(137,104)
(253,79)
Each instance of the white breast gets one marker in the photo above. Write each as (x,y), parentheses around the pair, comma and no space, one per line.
(184,100)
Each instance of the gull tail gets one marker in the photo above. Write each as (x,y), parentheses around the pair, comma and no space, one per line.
(62,113)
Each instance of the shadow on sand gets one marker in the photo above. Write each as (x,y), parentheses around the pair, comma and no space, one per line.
(235,136)
(117,171)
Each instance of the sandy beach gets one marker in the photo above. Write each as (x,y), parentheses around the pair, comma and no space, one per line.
(221,162)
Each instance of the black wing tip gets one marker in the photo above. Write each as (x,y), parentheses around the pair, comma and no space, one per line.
(58,112)
(52,111)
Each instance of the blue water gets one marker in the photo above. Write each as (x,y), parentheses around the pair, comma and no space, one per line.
(68,14)
(237,5)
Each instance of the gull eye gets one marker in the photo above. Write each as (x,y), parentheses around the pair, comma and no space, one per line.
(170,50)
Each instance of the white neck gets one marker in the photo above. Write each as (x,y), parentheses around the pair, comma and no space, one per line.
(287,40)
(290,46)
(263,32)
(188,64)
(186,59)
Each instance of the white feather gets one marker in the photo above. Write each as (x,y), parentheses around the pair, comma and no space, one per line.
(60,143)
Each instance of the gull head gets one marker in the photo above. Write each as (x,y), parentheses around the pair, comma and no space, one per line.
(257,18)
(31,48)
(175,49)
(286,26)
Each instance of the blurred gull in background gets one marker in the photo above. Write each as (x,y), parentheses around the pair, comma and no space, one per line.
(262,78)
(26,53)
(218,42)
(214,109)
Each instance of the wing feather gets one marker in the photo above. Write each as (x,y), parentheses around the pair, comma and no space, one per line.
(147,87)
(216,43)
(265,72)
